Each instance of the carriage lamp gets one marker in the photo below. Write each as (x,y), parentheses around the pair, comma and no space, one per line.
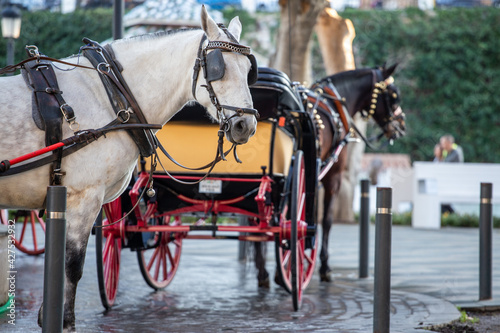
(11,29)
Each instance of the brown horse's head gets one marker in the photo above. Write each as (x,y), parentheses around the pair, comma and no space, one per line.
(384,104)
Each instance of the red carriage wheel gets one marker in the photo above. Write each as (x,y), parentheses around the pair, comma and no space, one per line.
(29,237)
(295,260)
(159,262)
(108,251)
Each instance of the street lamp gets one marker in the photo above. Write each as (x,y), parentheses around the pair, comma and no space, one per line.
(11,28)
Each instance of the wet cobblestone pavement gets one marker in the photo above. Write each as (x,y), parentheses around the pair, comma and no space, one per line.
(214,292)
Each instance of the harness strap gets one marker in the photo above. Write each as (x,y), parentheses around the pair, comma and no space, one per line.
(197,65)
(13,68)
(52,108)
(121,98)
(319,106)
(67,147)
(333,94)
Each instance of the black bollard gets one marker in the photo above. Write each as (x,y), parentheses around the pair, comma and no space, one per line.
(118,10)
(55,250)
(382,283)
(485,242)
(364,229)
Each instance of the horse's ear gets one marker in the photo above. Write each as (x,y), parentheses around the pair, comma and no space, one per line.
(388,71)
(208,25)
(235,28)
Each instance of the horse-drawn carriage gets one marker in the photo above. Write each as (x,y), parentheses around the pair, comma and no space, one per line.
(275,188)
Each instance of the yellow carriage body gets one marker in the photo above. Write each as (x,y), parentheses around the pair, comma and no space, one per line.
(194,144)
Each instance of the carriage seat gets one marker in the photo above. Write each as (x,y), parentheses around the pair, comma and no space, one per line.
(273,91)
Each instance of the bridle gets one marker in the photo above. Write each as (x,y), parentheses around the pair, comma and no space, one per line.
(213,67)
(382,89)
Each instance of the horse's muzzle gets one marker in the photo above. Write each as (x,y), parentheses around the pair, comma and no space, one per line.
(241,129)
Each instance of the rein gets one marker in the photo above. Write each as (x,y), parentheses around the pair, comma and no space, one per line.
(13,68)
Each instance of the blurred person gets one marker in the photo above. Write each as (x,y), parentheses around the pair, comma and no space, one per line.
(451,151)
(438,153)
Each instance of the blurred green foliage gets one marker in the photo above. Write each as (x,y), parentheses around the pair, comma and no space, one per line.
(59,35)
(447,220)
(448,73)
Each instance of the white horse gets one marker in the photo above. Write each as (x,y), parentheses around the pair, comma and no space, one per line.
(159,71)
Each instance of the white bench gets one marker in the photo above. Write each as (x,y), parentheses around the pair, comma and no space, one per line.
(447,183)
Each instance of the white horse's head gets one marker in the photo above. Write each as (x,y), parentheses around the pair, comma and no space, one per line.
(228,68)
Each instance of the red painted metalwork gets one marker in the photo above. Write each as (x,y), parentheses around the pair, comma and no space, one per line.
(35,153)
(29,237)
(228,179)
(265,210)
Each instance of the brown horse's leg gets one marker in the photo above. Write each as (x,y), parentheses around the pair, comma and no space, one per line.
(331,183)
(324,270)
(260,264)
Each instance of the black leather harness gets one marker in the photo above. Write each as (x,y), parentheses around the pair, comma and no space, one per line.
(48,98)
(121,98)
(49,107)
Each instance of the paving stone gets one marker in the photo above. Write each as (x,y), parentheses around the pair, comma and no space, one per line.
(213,292)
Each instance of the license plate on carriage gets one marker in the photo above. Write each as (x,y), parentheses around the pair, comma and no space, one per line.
(211,186)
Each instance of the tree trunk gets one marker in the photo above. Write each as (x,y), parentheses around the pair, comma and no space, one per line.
(297,21)
(335,36)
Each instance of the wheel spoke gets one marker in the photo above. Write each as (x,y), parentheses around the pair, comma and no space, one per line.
(33,226)
(165,266)
(159,263)
(152,260)
(159,270)
(170,257)
(23,230)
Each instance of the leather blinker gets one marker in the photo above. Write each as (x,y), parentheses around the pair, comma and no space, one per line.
(215,66)
(253,74)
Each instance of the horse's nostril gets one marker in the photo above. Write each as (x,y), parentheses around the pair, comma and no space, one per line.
(239,126)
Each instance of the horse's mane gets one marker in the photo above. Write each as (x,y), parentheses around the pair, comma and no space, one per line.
(153,35)
(351,75)
(346,78)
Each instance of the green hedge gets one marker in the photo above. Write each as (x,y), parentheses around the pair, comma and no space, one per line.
(447,220)
(449,74)
(59,35)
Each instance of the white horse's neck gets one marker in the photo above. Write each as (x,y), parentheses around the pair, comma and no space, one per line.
(159,71)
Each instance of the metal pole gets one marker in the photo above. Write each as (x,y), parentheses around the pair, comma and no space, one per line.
(118,19)
(242,245)
(382,283)
(55,251)
(364,229)
(485,242)
(10,52)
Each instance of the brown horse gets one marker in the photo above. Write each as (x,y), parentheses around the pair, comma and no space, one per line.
(333,101)
(371,92)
